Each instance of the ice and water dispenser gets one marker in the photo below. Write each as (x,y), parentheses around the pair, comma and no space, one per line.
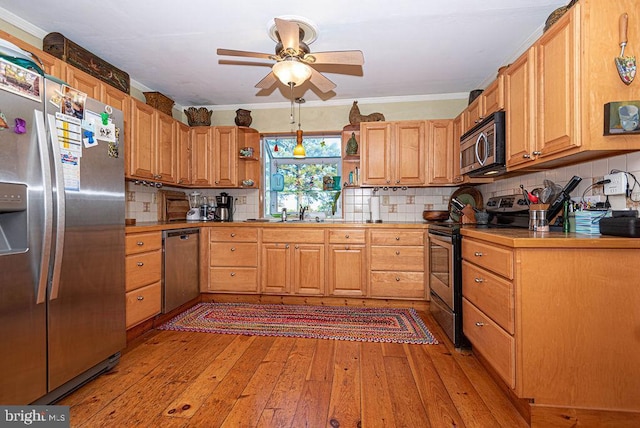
(13,218)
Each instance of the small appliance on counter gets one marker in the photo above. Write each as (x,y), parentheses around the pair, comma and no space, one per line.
(224,207)
(195,200)
(206,210)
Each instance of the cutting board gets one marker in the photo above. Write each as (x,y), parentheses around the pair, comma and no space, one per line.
(172,205)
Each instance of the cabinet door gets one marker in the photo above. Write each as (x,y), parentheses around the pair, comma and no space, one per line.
(409,153)
(142,156)
(166,158)
(225,155)
(375,157)
(121,101)
(493,97)
(276,268)
(184,153)
(201,155)
(457,133)
(440,143)
(519,106)
(557,88)
(84,82)
(474,113)
(308,269)
(347,270)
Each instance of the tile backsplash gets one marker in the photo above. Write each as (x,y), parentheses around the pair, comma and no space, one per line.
(407,204)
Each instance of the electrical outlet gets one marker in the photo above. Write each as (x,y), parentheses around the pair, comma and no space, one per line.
(618,185)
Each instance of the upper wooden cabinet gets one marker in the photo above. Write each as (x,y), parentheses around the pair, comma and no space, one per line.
(225,156)
(440,164)
(570,85)
(184,154)
(393,153)
(489,101)
(83,82)
(201,160)
(152,152)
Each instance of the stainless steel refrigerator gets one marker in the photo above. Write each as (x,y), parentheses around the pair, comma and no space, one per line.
(62,293)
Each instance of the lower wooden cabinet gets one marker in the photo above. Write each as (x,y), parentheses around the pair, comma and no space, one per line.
(293,268)
(233,260)
(347,263)
(143,276)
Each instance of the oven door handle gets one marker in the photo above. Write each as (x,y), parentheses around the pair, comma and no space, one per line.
(441,239)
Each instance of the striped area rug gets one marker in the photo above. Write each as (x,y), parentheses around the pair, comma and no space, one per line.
(394,325)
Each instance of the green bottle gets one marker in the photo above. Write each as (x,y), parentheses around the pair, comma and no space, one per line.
(565,216)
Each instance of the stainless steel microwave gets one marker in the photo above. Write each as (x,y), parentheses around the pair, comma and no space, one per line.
(482,148)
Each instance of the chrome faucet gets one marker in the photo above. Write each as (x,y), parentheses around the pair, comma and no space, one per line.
(284,214)
(302,211)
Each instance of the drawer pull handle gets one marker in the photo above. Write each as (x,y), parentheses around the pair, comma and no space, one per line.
(140,297)
(233,248)
(346,236)
(478,254)
(233,235)
(479,280)
(397,253)
(139,243)
(397,238)
(233,274)
(140,264)
(480,324)
(397,278)
(286,246)
(346,247)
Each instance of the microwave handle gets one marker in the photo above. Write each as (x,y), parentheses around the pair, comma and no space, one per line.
(482,139)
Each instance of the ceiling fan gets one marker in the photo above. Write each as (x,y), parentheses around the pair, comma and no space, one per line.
(294,59)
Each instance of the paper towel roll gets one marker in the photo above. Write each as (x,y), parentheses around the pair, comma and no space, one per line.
(374,208)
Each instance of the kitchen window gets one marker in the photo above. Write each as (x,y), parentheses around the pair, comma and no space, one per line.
(293,183)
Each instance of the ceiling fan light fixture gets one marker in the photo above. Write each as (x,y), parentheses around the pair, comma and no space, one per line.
(292,71)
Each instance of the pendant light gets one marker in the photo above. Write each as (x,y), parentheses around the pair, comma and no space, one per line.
(298,150)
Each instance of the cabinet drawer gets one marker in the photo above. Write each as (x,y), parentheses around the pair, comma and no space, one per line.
(233,279)
(141,242)
(397,237)
(143,269)
(397,258)
(495,344)
(143,304)
(489,293)
(346,236)
(233,254)
(289,236)
(489,256)
(402,285)
(233,234)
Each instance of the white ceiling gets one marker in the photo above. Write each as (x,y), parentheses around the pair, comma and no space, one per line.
(411,47)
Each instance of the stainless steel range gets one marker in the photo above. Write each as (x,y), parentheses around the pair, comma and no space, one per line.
(445,261)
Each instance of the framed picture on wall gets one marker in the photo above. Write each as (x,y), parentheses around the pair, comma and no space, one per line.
(621,117)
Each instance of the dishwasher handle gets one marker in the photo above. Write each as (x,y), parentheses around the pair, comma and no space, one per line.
(182,233)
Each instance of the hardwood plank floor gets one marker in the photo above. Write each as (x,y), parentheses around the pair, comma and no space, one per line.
(182,379)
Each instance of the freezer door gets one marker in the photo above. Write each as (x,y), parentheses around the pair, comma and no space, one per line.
(23,233)
(87,297)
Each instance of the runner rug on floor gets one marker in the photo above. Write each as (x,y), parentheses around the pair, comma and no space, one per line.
(321,322)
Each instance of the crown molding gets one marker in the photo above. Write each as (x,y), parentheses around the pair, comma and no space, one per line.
(20,23)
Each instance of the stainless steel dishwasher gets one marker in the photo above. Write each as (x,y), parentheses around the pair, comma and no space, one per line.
(181,255)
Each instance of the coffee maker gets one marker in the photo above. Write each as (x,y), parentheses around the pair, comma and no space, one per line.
(224,207)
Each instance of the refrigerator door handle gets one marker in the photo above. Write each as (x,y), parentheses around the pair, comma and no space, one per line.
(45,166)
(58,175)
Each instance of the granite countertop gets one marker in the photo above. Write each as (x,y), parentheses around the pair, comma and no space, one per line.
(159,226)
(524,238)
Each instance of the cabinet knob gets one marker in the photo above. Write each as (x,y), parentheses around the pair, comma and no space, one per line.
(139,243)
(479,280)
(526,156)
(233,248)
(140,297)
(140,264)
(346,236)
(296,246)
(346,247)
(537,153)
(397,238)
(478,254)
(397,279)
(180,181)
(397,253)
(233,274)
(217,182)
(286,246)
(397,181)
(233,235)
(388,181)
(480,324)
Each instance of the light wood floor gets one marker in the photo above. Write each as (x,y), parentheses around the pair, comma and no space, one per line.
(181,379)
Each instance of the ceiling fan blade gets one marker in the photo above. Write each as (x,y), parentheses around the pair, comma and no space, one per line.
(321,82)
(232,52)
(268,81)
(289,33)
(336,57)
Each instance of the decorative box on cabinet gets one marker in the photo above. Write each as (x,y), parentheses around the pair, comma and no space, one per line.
(233,259)
(397,263)
(143,267)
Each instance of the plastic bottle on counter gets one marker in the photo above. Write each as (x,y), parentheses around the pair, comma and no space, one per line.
(565,216)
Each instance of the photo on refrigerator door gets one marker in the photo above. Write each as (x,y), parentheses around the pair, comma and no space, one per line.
(73,102)
(19,80)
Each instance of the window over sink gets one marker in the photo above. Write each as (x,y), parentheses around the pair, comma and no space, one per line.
(293,183)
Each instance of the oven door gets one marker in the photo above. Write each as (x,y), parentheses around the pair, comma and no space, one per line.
(441,269)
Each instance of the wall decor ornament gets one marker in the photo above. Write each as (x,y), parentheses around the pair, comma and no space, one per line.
(355,117)
(243,117)
(352,145)
(198,116)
